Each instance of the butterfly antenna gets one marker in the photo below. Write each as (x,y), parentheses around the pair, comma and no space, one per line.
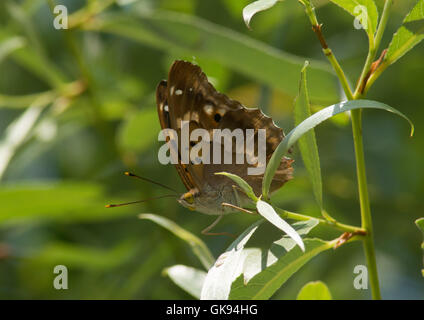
(129,174)
(139,201)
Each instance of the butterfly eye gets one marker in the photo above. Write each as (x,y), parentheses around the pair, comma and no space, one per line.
(188,197)
(217,117)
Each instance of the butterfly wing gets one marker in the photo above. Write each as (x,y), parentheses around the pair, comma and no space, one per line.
(186,173)
(188,96)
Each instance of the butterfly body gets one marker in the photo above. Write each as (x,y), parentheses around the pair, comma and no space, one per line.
(210,200)
(188,97)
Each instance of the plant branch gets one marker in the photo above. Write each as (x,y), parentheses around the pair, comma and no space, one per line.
(366,220)
(99,122)
(317,28)
(374,76)
(331,224)
(370,72)
(366,74)
(383,23)
(301,217)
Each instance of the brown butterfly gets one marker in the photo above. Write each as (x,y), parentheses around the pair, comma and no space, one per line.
(188,96)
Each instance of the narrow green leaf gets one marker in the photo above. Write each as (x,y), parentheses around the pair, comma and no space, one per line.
(227,267)
(7,46)
(268,212)
(54,201)
(23,20)
(308,144)
(39,66)
(187,278)
(24,101)
(314,290)
(198,246)
(311,123)
(93,261)
(241,183)
(171,31)
(84,257)
(258,247)
(85,13)
(263,285)
(420,224)
(250,10)
(17,133)
(359,8)
(33,56)
(409,34)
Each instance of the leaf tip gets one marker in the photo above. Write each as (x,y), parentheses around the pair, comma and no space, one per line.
(253,8)
(247,16)
(412,130)
(305,65)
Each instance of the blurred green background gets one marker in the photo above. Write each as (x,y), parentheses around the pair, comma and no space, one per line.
(77,109)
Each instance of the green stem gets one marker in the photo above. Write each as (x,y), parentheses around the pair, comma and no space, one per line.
(360,158)
(365,204)
(383,23)
(340,73)
(362,87)
(367,66)
(93,8)
(310,12)
(97,115)
(373,50)
(375,76)
(332,224)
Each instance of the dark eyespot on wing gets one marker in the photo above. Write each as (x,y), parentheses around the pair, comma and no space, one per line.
(217,117)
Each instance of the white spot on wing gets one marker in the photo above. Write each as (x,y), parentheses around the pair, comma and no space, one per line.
(171,90)
(166,108)
(179,92)
(208,109)
(195,116)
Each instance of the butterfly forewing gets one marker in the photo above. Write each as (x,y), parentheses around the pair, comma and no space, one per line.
(188,96)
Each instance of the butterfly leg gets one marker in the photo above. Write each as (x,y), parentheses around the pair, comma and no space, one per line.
(207,229)
(229,205)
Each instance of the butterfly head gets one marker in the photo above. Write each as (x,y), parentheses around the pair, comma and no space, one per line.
(207,202)
(188,199)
